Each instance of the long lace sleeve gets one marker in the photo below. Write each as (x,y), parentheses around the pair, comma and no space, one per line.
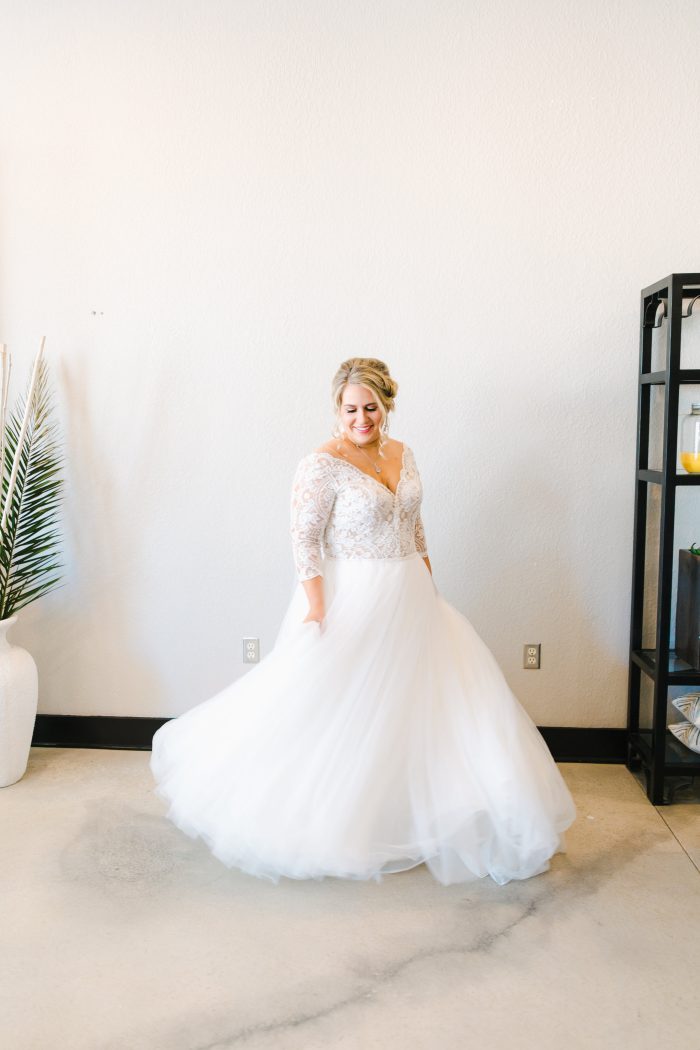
(419,535)
(418,528)
(313,493)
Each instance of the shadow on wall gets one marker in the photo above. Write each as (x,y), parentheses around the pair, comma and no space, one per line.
(84,624)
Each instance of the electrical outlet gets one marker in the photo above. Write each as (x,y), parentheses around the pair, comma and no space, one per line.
(251,650)
(531,656)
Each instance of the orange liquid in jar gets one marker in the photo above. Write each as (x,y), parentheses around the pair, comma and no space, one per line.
(691,462)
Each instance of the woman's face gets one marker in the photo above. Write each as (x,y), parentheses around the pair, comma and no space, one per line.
(360,414)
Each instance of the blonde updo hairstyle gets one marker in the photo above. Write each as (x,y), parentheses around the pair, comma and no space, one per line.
(372,373)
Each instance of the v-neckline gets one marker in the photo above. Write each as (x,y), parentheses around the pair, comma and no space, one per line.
(364,472)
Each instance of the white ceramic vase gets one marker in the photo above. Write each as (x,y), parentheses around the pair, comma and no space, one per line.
(19,696)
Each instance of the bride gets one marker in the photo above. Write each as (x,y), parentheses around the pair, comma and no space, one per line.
(379,732)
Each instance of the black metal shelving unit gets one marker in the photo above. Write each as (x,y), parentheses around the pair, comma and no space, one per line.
(655,749)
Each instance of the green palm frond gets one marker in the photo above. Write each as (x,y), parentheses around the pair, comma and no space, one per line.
(30,539)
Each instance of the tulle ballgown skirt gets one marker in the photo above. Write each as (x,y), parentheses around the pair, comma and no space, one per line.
(384,738)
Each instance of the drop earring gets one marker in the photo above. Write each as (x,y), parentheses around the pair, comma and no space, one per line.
(382,440)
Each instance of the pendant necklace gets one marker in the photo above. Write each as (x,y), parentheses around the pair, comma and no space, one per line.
(377,466)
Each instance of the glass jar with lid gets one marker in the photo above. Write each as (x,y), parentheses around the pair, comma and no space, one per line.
(690,439)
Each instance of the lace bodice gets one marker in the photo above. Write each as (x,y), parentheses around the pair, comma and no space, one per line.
(339,510)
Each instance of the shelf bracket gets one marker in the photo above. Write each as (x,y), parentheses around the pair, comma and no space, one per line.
(691,304)
(657,310)
(653,317)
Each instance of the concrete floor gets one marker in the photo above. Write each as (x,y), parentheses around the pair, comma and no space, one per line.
(120,933)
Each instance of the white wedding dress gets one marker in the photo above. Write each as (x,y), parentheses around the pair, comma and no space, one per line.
(385,737)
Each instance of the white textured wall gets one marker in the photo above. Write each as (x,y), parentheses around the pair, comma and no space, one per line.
(206,206)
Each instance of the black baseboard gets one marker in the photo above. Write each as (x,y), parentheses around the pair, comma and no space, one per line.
(567,744)
(126,733)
